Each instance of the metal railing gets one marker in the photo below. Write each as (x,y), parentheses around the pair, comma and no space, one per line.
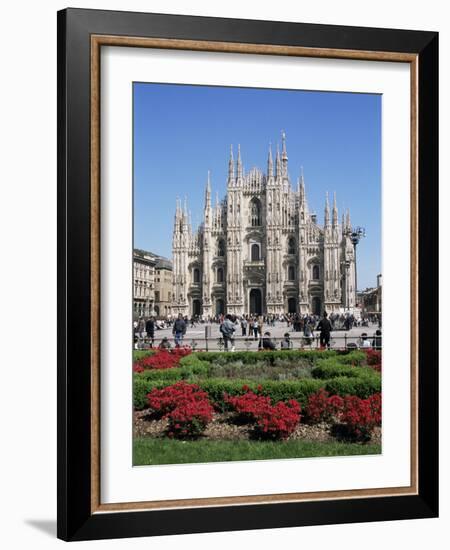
(250,343)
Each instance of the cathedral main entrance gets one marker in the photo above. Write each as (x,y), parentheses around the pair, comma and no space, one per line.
(255,301)
(316,306)
(292,305)
(220,307)
(196,308)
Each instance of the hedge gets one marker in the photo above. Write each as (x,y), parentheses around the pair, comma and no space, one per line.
(362,387)
(328,370)
(331,370)
(278,391)
(251,357)
(355,357)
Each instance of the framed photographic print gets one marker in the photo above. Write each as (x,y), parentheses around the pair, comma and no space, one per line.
(247,274)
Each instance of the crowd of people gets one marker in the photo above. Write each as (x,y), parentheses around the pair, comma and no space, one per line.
(252,327)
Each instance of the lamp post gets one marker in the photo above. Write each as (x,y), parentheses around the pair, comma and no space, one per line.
(355,236)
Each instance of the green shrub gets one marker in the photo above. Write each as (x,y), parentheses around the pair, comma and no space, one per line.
(328,370)
(353,358)
(251,357)
(362,387)
(215,387)
(142,387)
(195,365)
(331,370)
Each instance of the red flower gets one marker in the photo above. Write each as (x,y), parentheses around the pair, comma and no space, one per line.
(162,359)
(361,415)
(276,421)
(185,406)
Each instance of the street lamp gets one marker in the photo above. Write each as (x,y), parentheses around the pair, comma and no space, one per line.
(355,234)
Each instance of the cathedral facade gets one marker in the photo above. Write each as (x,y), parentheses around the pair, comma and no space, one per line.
(261,250)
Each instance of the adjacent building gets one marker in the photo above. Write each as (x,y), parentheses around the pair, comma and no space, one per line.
(163,288)
(370,299)
(261,249)
(143,283)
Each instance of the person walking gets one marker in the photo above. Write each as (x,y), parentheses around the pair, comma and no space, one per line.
(307,333)
(325,329)
(260,324)
(255,328)
(179,330)
(150,330)
(227,329)
(140,332)
(244,326)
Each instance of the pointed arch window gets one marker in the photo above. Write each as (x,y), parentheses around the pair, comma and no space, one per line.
(291,273)
(316,272)
(291,246)
(196,275)
(255,213)
(255,253)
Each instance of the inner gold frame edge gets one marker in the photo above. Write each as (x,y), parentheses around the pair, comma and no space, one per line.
(231,47)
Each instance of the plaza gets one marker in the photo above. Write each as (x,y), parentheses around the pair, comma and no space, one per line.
(195,336)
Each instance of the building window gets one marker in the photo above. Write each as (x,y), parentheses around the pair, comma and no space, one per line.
(221,248)
(316,273)
(220,275)
(255,213)
(156,295)
(196,275)
(291,246)
(291,273)
(255,253)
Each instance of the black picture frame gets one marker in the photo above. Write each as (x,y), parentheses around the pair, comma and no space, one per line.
(76,521)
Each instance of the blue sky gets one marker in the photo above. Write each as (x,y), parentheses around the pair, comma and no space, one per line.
(182,131)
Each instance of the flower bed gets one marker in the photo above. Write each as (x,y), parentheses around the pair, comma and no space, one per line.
(185,406)
(161,359)
(356,416)
(274,421)
(340,389)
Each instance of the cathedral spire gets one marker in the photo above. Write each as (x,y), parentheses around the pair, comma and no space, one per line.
(283,141)
(284,156)
(185,213)
(240,173)
(302,187)
(270,163)
(208,191)
(335,211)
(348,224)
(178,214)
(327,211)
(231,167)
(278,163)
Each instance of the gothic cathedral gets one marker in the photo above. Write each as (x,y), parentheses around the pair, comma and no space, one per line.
(261,251)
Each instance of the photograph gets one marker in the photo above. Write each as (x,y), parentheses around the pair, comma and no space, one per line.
(257,274)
